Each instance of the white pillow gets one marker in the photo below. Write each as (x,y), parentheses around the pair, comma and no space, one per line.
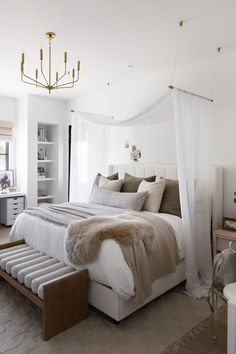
(132,201)
(155,193)
(114,186)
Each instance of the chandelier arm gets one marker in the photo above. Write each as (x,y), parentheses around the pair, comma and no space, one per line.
(70,82)
(41,67)
(30,78)
(56,82)
(31,83)
(66,83)
(64,87)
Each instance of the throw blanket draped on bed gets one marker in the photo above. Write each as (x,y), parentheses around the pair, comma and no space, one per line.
(147,242)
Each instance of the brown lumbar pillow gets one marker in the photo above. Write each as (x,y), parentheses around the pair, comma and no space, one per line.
(171,202)
(131,183)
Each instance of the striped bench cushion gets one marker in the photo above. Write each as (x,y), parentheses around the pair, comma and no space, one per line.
(33,268)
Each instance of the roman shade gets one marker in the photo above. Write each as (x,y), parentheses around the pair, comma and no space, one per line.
(6,128)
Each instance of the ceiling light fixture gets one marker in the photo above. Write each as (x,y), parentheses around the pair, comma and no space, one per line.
(48,83)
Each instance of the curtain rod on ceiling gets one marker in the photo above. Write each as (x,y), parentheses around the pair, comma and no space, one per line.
(190,93)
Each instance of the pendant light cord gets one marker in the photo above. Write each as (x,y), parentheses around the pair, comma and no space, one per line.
(109,99)
(177,51)
(215,78)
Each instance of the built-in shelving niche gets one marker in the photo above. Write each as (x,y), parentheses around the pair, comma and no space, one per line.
(47,163)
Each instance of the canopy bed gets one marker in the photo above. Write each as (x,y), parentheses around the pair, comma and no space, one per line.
(111,285)
(113,277)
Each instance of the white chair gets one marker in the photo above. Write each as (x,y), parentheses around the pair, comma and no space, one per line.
(230,295)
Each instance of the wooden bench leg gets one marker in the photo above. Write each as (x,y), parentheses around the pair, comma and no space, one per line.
(65,303)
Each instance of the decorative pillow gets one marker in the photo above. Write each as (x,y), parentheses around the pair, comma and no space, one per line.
(132,201)
(97,178)
(171,202)
(114,186)
(111,178)
(131,183)
(155,193)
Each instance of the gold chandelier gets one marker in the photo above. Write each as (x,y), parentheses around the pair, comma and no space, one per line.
(40,79)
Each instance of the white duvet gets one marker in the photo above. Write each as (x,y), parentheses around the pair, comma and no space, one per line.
(110,269)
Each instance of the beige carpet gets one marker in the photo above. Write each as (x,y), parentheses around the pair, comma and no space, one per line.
(203,338)
(150,330)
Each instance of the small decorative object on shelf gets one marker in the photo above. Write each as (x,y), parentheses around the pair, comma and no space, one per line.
(41,172)
(229,224)
(42,154)
(42,192)
(41,134)
(6,179)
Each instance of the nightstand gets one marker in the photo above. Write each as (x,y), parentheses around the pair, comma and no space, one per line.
(11,205)
(221,240)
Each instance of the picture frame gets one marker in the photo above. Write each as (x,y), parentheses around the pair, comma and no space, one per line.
(6,178)
(229,224)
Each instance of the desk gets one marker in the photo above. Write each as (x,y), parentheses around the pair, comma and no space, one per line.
(11,205)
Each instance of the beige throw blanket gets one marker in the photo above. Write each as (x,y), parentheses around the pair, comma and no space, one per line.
(148,245)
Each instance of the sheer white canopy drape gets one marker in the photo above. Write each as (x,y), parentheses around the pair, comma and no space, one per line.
(190,113)
(192,142)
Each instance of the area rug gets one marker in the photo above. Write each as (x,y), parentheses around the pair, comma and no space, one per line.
(203,338)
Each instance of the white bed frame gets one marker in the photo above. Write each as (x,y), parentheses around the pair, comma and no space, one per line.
(103,297)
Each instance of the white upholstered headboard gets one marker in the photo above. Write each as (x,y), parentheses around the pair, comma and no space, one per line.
(171,171)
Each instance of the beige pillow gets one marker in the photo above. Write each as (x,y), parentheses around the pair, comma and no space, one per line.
(114,186)
(155,193)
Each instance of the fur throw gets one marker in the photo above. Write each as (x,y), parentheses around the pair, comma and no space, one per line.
(84,238)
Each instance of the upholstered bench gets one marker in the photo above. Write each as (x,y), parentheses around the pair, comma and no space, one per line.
(56,288)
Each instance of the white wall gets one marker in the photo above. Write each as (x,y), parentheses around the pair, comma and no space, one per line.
(213,78)
(8,108)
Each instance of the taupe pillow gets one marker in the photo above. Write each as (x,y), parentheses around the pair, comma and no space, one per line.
(171,202)
(131,183)
(106,197)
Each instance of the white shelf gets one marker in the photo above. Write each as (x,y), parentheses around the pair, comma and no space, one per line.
(45,143)
(45,161)
(46,179)
(45,197)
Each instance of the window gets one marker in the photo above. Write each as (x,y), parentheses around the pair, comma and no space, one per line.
(4,155)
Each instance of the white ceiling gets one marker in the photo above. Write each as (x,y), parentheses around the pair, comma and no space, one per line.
(108,35)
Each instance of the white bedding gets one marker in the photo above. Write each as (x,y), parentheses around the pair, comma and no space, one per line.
(110,269)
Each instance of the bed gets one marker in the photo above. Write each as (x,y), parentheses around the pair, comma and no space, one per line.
(111,284)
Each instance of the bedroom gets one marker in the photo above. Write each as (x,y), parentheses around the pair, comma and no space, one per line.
(138,282)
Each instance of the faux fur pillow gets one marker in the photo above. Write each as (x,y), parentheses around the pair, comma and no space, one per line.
(114,186)
(132,201)
(155,193)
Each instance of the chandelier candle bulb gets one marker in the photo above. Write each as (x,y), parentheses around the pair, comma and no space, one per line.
(73,73)
(78,68)
(23,58)
(41,54)
(65,57)
(36,73)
